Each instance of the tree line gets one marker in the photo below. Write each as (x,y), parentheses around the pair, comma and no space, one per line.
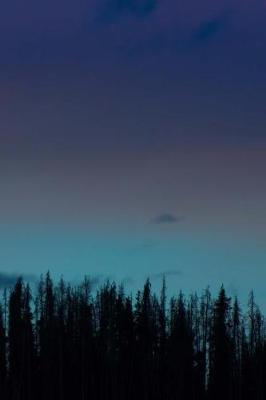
(69,342)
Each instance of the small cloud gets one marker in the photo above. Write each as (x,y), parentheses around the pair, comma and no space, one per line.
(166,274)
(211,27)
(148,245)
(167,218)
(137,8)
(8,280)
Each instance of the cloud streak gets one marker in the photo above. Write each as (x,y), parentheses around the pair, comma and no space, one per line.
(136,8)
(209,28)
(9,280)
(167,218)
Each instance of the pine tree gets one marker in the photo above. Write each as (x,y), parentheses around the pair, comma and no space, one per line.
(236,351)
(3,360)
(15,339)
(220,384)
(28,348)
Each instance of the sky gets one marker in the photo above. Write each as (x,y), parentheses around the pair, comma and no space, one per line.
(132,142)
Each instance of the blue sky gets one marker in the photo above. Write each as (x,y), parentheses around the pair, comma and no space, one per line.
(189,262)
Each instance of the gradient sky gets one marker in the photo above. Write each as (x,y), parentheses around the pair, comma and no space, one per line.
(132,141)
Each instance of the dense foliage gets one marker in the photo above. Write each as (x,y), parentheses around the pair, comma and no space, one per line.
(67,343)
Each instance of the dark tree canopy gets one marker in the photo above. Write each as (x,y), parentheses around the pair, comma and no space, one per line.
(69,342)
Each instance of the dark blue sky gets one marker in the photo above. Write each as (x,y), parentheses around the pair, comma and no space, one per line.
(132,140)
(178,71)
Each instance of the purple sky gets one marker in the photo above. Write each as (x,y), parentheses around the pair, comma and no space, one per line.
(132,140)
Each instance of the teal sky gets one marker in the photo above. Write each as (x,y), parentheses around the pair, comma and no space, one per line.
(195,214)
(189,261)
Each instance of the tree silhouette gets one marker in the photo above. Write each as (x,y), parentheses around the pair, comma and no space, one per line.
(220,384)
(68,342)
(3,361)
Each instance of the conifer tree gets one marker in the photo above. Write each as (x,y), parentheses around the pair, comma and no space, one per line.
(3,360)
(220,384)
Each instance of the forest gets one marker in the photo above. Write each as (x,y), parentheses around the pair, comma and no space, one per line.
(63,341)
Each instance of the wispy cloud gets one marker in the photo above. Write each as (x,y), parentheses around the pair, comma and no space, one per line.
(8,280)
(167,218)
(137,8)
(148,245)
(209,28)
